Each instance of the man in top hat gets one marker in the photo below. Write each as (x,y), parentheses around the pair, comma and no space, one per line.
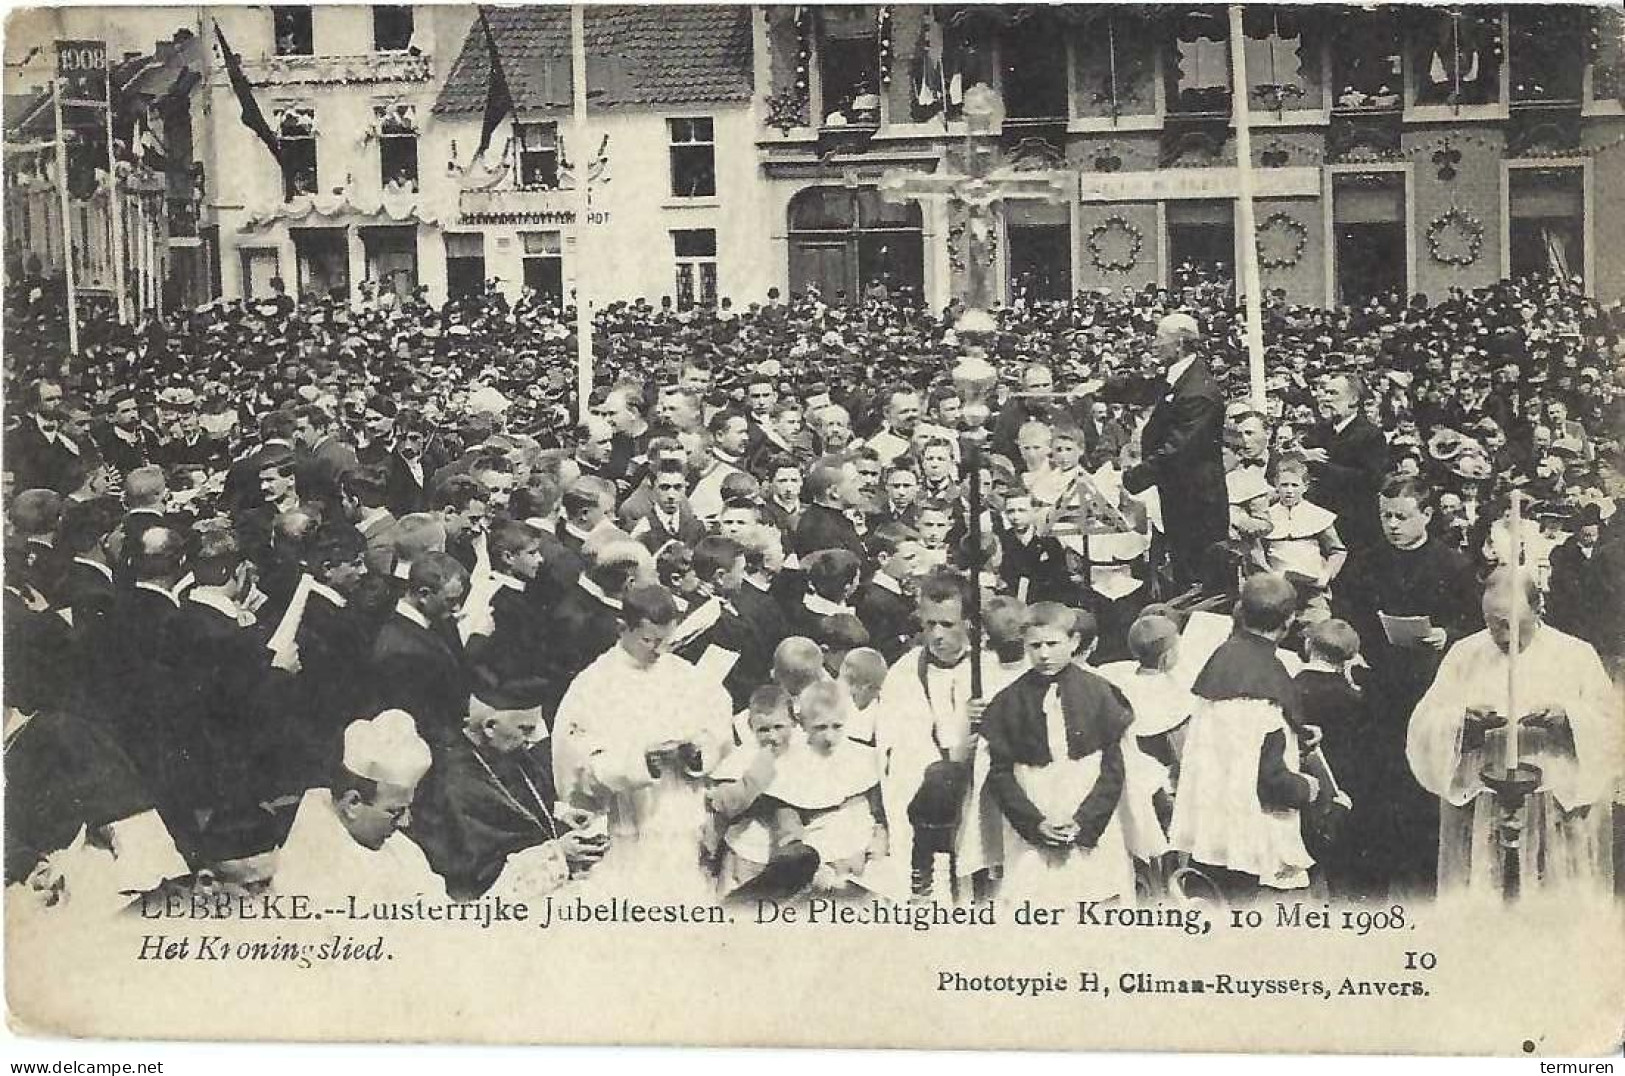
(346,840)
(1182,451)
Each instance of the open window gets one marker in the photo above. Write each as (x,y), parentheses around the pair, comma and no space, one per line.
(538,156)
(391,27)
(397,146)
(695,250)
(849,66)
(1549,46)
(296,138)
(1278,60)
(693,158)
(292,28)
(1368,72)
(1033,61)
(1456,56)
(1198,79)
(544,265)
(465,264)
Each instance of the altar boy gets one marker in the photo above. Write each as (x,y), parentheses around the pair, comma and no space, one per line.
(1054,740)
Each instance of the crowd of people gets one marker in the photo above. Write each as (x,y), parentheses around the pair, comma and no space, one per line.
(342,597)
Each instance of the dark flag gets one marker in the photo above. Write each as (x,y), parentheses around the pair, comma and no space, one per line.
(253,118)
(498,101)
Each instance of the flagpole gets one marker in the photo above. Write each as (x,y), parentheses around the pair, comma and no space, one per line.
(583,200)
(1244,204)
(67,212)
(115,207)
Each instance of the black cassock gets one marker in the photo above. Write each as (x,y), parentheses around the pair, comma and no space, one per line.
(477,807)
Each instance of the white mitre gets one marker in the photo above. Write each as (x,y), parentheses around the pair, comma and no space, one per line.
(386,749)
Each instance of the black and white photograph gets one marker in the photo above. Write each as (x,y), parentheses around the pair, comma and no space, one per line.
(1024,526)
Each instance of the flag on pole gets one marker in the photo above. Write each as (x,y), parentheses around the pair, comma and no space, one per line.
(498,100)
(253,118)
(150,149)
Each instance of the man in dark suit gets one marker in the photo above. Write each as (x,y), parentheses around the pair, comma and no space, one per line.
(886,611)
(86,590)
(1182,451)
(587,619)
(334,640)
(243,489)
(669,518)
(418,663)
(229,739)
(832,489)
(322,457)
(39,450)
(512,652)
(141,666)
(1348,457)
(127,442)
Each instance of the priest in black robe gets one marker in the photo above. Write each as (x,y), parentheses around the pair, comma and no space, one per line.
(1410,574)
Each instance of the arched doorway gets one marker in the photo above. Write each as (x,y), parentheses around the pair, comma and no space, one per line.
(847,240)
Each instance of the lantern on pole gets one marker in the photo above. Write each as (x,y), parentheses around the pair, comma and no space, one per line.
(974,379)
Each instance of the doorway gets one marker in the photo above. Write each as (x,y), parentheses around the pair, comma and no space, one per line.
(1202,237)
(1546,230)
(1039,265)
(1369,231)
(322,256)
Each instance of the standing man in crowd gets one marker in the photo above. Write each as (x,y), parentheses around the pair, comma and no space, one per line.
(1182,453)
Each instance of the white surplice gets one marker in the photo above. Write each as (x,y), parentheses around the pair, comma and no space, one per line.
(614,711)
(1567,832)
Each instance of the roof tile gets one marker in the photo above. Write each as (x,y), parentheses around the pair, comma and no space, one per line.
(636,55)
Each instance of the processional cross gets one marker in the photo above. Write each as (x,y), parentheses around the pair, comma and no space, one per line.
(978,192)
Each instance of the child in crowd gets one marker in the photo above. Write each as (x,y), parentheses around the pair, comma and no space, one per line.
(862,672)
(738,839)
(1055,749)
(1336,707)
(1303,543)
(936,519)
(826,792)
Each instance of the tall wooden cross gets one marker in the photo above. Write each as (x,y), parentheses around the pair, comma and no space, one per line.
(979,191)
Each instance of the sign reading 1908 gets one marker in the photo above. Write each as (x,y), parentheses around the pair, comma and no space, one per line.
(82,67)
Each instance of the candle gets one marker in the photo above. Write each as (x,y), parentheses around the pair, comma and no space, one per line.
(1513,641)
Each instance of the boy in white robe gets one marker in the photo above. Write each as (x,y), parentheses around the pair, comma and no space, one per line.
(1569,728)
(927,716)
(1303,543)
(1054,740)
(739,833)
(862,671)
(1241,784)
(828,792)
(636,733)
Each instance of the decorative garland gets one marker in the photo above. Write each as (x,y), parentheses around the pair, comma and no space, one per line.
(884,25)
(1098,255)
(1276,223)
(803,51)
(1467,229)
(787,108)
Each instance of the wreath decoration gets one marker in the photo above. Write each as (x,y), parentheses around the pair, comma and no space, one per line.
(1275,230)
(1101,254)
(1455,237)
